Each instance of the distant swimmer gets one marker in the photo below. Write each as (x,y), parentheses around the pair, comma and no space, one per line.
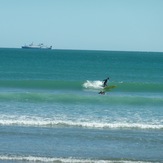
(105,82)
(102,92)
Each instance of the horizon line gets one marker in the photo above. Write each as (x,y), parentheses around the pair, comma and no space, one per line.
(104,50)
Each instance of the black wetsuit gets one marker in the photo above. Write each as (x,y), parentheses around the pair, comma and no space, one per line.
(105,82)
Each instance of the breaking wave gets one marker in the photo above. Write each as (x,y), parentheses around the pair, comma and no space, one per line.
(93,84)
(79,85)
(64,160)
(47,122)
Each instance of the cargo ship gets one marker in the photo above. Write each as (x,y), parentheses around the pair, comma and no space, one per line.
(39,46)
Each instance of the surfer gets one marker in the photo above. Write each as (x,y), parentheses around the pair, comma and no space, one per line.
(105,82)
(104,85)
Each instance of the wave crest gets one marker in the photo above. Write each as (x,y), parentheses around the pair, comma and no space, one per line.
(63,160)
(93,84)
(44,122)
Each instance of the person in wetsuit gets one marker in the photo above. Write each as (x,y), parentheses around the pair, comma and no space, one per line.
(104,85)
(105,82)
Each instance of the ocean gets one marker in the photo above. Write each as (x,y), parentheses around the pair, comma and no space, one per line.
(50,109)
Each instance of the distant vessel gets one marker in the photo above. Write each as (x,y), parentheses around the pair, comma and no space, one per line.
(39,46)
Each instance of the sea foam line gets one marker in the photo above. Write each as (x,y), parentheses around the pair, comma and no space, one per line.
(64,160)
(69,123)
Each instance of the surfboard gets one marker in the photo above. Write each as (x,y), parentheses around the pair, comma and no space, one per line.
(108,88)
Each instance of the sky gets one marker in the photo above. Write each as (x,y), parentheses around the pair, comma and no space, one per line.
(120,25)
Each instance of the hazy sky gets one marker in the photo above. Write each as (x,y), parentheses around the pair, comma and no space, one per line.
(135,25)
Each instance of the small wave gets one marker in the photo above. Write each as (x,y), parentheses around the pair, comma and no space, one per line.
(63,160)
(127,86)
(41,84)
(72,98)
(122,86)
(93,84)
(38,122)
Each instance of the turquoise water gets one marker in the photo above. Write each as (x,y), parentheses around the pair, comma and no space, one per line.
(50,109)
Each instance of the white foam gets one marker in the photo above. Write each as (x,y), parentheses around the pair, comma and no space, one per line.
(63,160)
(93,84)
(51,122)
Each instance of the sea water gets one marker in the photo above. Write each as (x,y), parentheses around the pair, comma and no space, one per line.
(50,109)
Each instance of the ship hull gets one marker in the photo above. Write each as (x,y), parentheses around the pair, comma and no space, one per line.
(28,47)
(39,46)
